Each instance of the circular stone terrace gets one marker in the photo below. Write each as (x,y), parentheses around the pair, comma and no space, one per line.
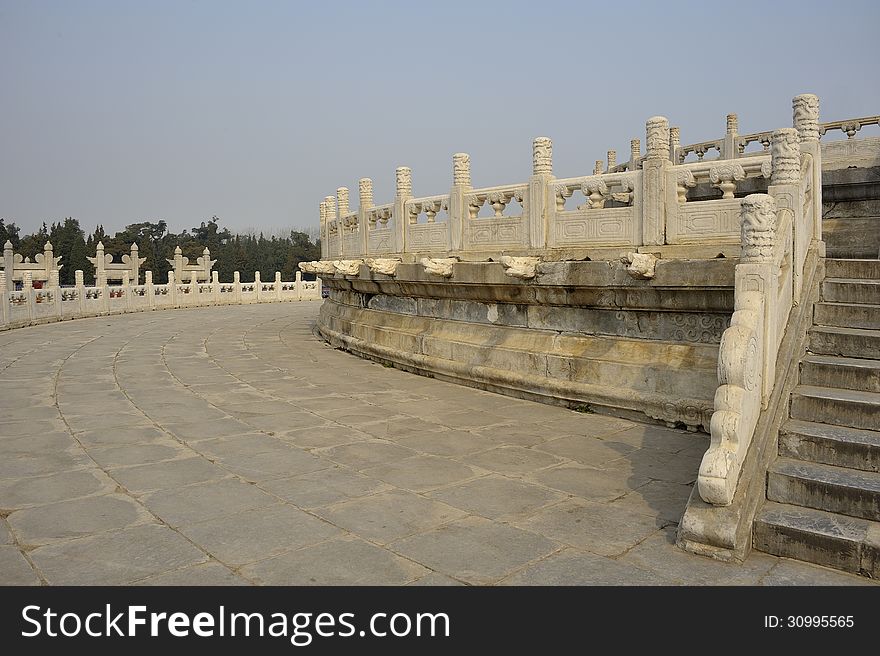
(229,445)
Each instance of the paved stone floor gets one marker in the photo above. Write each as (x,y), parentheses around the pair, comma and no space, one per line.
(229,446)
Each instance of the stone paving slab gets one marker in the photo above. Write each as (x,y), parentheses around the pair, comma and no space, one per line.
(229,446)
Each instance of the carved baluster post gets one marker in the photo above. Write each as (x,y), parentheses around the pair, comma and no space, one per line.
(343,209)
(654,168)
(729,148)
(458,210)
(258,286)
(4,299)
(9,265)
(54,289)
(785,187)
(635,154)
(27,286)
(178,264)
(365,202)
(806,121)
(100,273)
(172,288)
(215,286)
(612,159)
(236,287)
(674,144)
(135,265)
(322,211)
(80,290)
(277,285)
(194,293)
(298,285)
(598,167)
(149,290)
(542,194)
(332,226)
(403,177)
(125,290)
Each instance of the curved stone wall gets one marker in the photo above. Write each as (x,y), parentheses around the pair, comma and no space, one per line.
(582,334)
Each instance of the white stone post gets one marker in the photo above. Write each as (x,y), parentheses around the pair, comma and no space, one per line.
(277,285)
(135,265)
(729,148)
(79,281)
(458,210)
(125,289)
(100,273)
(365,202)
(330,210)
(4,299)
(9,266)
(612,159)
(805,111)
(322,211)
(785,188)
(654,168)
(258,286)
(236,286)
(542,193)
(298,285)
(195,295)
(215,286)
(635,154)
(674,144)
(149,290)
(343,209)
(403,176)
(27,286)
(172,288)
(178,264)
(54,288)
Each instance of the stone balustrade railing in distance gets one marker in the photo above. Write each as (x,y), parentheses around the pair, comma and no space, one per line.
(52,302)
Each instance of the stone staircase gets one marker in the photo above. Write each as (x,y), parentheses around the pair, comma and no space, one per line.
(823,490)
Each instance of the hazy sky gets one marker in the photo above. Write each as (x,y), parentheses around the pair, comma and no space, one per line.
(115,112)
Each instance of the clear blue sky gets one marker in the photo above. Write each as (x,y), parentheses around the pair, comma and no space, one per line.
(122,111)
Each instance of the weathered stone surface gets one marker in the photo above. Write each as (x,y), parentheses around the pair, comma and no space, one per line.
(494,497)
(342,561)
(115,558)
(573,567)
(204,501)
(475,550)
(254,535)
(15,569)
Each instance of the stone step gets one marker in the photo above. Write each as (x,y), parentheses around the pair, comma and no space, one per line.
(847,342)
(847,315)
(848,268)
(851,290)
(846,543)
(825,487)
(828,405)
(830,445)
(842,373)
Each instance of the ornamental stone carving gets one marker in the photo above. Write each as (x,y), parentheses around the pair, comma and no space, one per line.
(322,209)
(684,180)
(635,150)
(732,124)
(317,267)
(519,267)
(640,266)
(674,138)
(385,266)
(348,267)
(342,199)
(612,159)
(657,137)
(439,266)
(365,193)
(785,155)
(542,156)
(598,167)
(725,177)
(758,231)
(403,175)
(461,170)
(805,110)
(596,191)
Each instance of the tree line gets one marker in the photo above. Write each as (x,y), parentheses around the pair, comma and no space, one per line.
(245,253)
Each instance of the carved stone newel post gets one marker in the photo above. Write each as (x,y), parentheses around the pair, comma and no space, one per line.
(654,180)
(542,194)
(458,209)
